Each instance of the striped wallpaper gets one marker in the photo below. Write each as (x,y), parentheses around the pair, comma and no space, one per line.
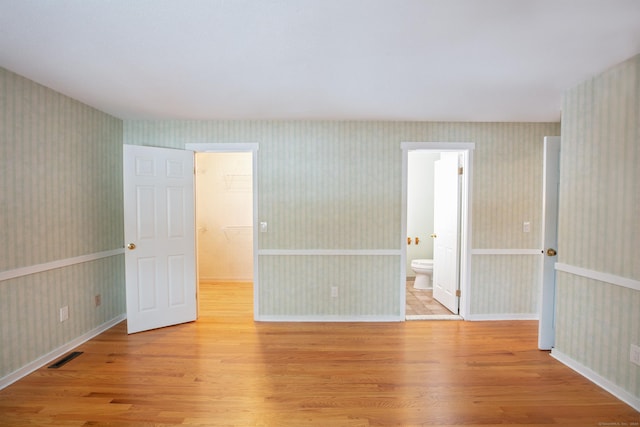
(599,227)
(313,276)
(507,291)
(61,197)
(337,185)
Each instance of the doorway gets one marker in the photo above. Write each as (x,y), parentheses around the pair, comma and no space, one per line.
(226,212)
(449,246)
(224,217)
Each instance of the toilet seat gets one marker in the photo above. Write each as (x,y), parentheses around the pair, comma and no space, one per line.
(422,263)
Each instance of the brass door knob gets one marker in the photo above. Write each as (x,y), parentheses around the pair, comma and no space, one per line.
(131,246)
(551,252)
(408,240)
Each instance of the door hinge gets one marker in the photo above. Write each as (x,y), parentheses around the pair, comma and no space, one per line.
(458,292)
(460,169)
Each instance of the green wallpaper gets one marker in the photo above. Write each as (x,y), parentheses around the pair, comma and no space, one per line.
(598,223)
(600,173)
(29,308)
(498,289)
(595,325)
(354,276)
(508,185)
(61,197)
(337,185)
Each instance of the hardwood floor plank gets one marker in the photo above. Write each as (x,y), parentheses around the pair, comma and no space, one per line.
(227,370)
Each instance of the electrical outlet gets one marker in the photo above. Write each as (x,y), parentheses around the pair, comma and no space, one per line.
(526,227)
(334,292)
(98,300)
(634,354)
(64,313)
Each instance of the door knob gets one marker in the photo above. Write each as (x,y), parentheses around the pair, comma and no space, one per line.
(551,252)
(131,246)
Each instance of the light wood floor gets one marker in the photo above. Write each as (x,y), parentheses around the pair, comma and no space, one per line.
(226,370)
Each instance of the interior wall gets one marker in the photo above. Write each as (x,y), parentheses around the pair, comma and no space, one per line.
(60,199)
(224,216)
(597,320)
(331,190)
(420,178)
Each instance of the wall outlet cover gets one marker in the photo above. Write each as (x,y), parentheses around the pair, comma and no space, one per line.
(634,354)
(64,313)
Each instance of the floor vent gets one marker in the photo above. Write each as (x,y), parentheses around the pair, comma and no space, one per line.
(68,358)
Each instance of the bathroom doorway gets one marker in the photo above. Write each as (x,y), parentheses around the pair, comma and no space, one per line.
(225,211)
(432,233)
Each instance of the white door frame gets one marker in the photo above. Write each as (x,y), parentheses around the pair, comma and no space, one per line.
(241,147)
(466,149)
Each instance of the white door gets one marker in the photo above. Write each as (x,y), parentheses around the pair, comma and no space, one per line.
(159,232)
(551,177)
(445,225)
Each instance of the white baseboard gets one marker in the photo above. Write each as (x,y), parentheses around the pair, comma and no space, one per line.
(58,352)
(502,316)
(616,390)
(331,318)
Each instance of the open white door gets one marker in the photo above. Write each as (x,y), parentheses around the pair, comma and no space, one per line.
(159,232)
(445,225)
(551,179)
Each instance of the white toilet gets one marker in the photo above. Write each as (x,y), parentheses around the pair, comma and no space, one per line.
(424,271)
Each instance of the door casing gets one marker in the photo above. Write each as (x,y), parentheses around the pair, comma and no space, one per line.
(466,150)
(241,147)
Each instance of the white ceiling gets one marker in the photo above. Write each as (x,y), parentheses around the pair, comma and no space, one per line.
(461,60)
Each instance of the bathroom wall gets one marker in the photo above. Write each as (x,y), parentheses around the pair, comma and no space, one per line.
(420,205)
(598,283)
(224,216)
(61,227)
(330,192)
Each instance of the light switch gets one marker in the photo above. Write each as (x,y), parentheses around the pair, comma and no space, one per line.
(263,227)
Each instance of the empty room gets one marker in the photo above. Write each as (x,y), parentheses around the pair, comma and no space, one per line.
(319,213)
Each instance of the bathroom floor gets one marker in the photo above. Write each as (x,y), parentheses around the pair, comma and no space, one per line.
(421,302)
